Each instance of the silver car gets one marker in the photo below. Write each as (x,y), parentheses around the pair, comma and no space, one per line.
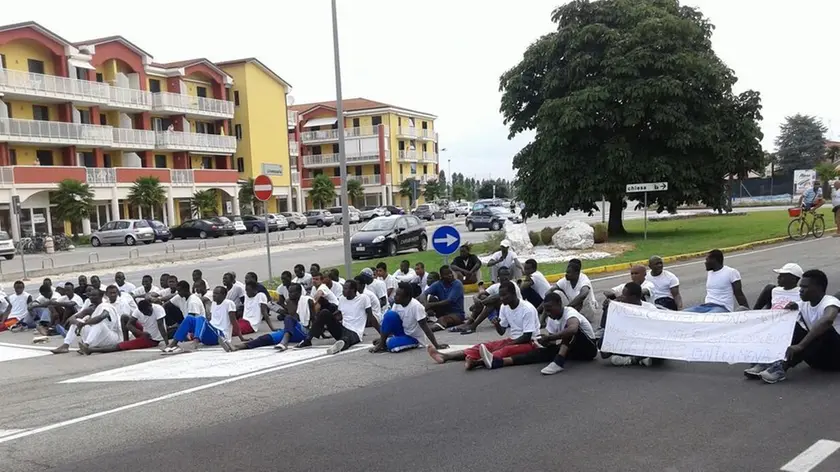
(296,220)
(7,246)
(128,232)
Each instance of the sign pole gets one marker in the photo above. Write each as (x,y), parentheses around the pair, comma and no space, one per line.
(645,216)
(268,247)
(263,191)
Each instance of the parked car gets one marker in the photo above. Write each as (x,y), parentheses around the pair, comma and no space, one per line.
(280,220)
(395,210)
(389,235)
(319,218)
(296,220)
(371,212)
(256,224)
(162,232)
(238,223)
(199,229)
(225,223)
(7,246)
(355,215)
(128,232)
(492,218)
(487,202)
(463,209)
(428,212)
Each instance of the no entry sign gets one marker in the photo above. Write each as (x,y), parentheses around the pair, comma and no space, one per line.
(263,188)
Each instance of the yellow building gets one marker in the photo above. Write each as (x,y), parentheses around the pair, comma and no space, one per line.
(385,145)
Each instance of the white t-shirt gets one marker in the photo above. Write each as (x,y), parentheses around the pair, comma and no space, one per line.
(504,261)
(124,304)
(494,290)
(113,320)
(374,304)
(303,309)
(779,297)
(236,292)
(305,281)
(411,316)
(149,323)
(410,276)
(647,289)
(354,313)
(192,305)
(378,287)
(662,284)
(835,197)
(520,320)
(812,314)
(127,287)
(337,288)
(555,326)
(719,287)
(20,305)
(423,281)
(540,284)
(282,291)
(220,317)
(141,291)
(390,283)
(590,306)
(77,301)
(41,300)
(4,303)
(327,294)
(252,310)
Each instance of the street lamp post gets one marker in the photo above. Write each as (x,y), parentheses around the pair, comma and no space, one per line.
(345,213)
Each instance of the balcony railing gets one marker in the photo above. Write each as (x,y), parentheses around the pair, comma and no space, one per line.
(332,134)
(182,178)
(367,179)
(292,117)
(130,98)
(294,149)
(407,155)
(101,176)
(197,142)
(295,177)
(15,82)
(428,157)
(191,105)
(426,134)
(125,138)
(328,160)
(407,132)
(54,132)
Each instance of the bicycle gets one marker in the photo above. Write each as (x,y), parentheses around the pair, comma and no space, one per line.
(799,226)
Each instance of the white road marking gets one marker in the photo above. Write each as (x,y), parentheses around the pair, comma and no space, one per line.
(92,416)
(812,456)
(8,432)
(9,353)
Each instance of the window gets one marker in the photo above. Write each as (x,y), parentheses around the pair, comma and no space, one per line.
(40,113)
(424,125)
(13,157)
(240,164)
(35,67)
(376,120)
(160,161)
(84,117)
(81,74)
(356,122)
(236,97)
(201,92)
(103,119)
(412,145)
(100,77)
(401,145)
(376,169)
(238,131)
(316,150)
(106,159)
(425,169)
(207,162)
(122,225)
(424,147)
(399,121)
(108,226)
(45,158)
(413,168)
(337,171)
(2,61)
(154,85)
(88,159)
(335,149)
(358,170)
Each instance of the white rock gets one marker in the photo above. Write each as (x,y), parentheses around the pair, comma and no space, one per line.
(520,242)
(574,235)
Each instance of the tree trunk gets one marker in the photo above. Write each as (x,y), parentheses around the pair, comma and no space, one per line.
(615,226)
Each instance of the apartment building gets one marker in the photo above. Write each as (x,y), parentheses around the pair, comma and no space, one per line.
(102,111)
(385,145)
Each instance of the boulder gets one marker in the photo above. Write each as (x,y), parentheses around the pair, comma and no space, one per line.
(520,241)
(574,235)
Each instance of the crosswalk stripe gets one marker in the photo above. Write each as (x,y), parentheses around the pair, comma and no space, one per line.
(812,457)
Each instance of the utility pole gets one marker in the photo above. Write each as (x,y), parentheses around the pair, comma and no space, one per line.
(345,213)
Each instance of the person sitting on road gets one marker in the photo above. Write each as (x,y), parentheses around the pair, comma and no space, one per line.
(216,329)
(405,273)
(504,257)
(377,286)
(337,286)
(97,326)
(146,323)
(404,326)
(96,283)
(254,310)
(302,278)
(466,266)
(638,274)
(122,301)
(235,288)
(666,285)
(778,297)
(486,304)
(283,289)
(362,282)
(516,316)
(812,198)
(146,289)
(448,307)
(42,311)
(535,286)
(18,310)
(577,288)
(346,324)
(390,282)
(570,337)
(197,276)
(632,295)
(81,288)
(252,277)
(67,305)
(723,287)
(817,343)
(299,310)
(166,295)
(422,279)
(323,294)
(122,285)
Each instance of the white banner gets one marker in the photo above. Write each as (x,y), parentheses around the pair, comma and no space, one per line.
(759,336)
(803,180)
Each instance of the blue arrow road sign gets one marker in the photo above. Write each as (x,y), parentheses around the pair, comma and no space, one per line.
(446,240)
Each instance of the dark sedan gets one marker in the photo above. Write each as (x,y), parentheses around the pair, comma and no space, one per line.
(389,235)
(198,229)
(394,210)
(492,218)
(162,232)
(224,222)
(256,224)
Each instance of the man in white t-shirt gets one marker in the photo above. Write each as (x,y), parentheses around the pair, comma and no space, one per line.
(777,297)
(817,343)
(300,309)
(535,286)
(146,323)
(390,281)
(577,288)
(323,294)
(235,289)
(666,285)
(122,285)
(405,273)
(638,274)
(362,282)
(404,326)
(347,324)
(17,310)
(217,330)
(99,326)
(146,289)
(422,276)
(517,317)
(254,310)
(632,295)
(283,289)
(486,304)
(504,257)
(723,287)
(377,286)
(302,278)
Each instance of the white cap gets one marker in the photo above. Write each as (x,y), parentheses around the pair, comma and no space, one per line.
(790,268)
(505,243)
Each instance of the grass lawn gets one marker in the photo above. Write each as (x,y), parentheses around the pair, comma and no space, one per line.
(665,238)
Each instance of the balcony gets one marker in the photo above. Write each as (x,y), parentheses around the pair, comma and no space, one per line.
(105,177)
(407,156)
(15,84)
(101,176)
(125,138)
(180,104)
(295,178)
(213,177)
(294,148)
(367,179)
(55,133)
(327,135)
(428,157)
(195,142)
(410,132)
(331,160)
(307,183)
(292,117)
(129,99)
(182,178)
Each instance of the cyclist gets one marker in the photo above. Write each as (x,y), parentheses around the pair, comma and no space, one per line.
(812,198)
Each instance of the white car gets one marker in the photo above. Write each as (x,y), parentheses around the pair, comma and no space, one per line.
(238,224)
(463,209)
(7,246)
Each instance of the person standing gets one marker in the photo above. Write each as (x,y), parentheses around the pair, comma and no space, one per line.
(835,205)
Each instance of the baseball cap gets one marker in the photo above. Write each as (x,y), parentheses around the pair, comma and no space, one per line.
(505,243)
(790,268)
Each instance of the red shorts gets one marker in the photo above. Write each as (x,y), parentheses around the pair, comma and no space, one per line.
(138,343)
(244,326)
(500,349)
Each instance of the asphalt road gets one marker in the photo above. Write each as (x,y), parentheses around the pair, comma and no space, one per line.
(358,411)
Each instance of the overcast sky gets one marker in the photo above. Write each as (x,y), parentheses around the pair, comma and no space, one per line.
(445,56)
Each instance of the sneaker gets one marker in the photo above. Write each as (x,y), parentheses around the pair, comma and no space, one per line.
(774,374)
(599,333)
(336,348)
(755,370)
(304,344)
(486,356)
(621,361)
(171,351)
(551,369)
(225,345)
(280,347)
(647,362)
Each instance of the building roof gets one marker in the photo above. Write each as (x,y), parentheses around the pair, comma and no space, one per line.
(352,104)
(258,63)
(36,26)
(190,62)
(109,39)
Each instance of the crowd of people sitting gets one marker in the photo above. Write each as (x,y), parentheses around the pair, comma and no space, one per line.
(539,322)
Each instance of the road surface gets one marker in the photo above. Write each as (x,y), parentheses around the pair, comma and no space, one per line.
(264,411)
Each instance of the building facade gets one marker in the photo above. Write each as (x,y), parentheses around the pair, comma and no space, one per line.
(385,146)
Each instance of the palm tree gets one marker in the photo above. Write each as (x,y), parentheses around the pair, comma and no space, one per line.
(826,171)
(832,153)
(355,193)
(248,203)
(408,188)
(203,203)
(147,193)
(322,192)
(73,200)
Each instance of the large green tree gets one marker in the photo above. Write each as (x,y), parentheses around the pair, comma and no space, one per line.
(73,201)
(801,142)
(434,190)
(627,91)
(248,202)
(355,192)
(146,192)
(203,204)
(410,188)
(322,192)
